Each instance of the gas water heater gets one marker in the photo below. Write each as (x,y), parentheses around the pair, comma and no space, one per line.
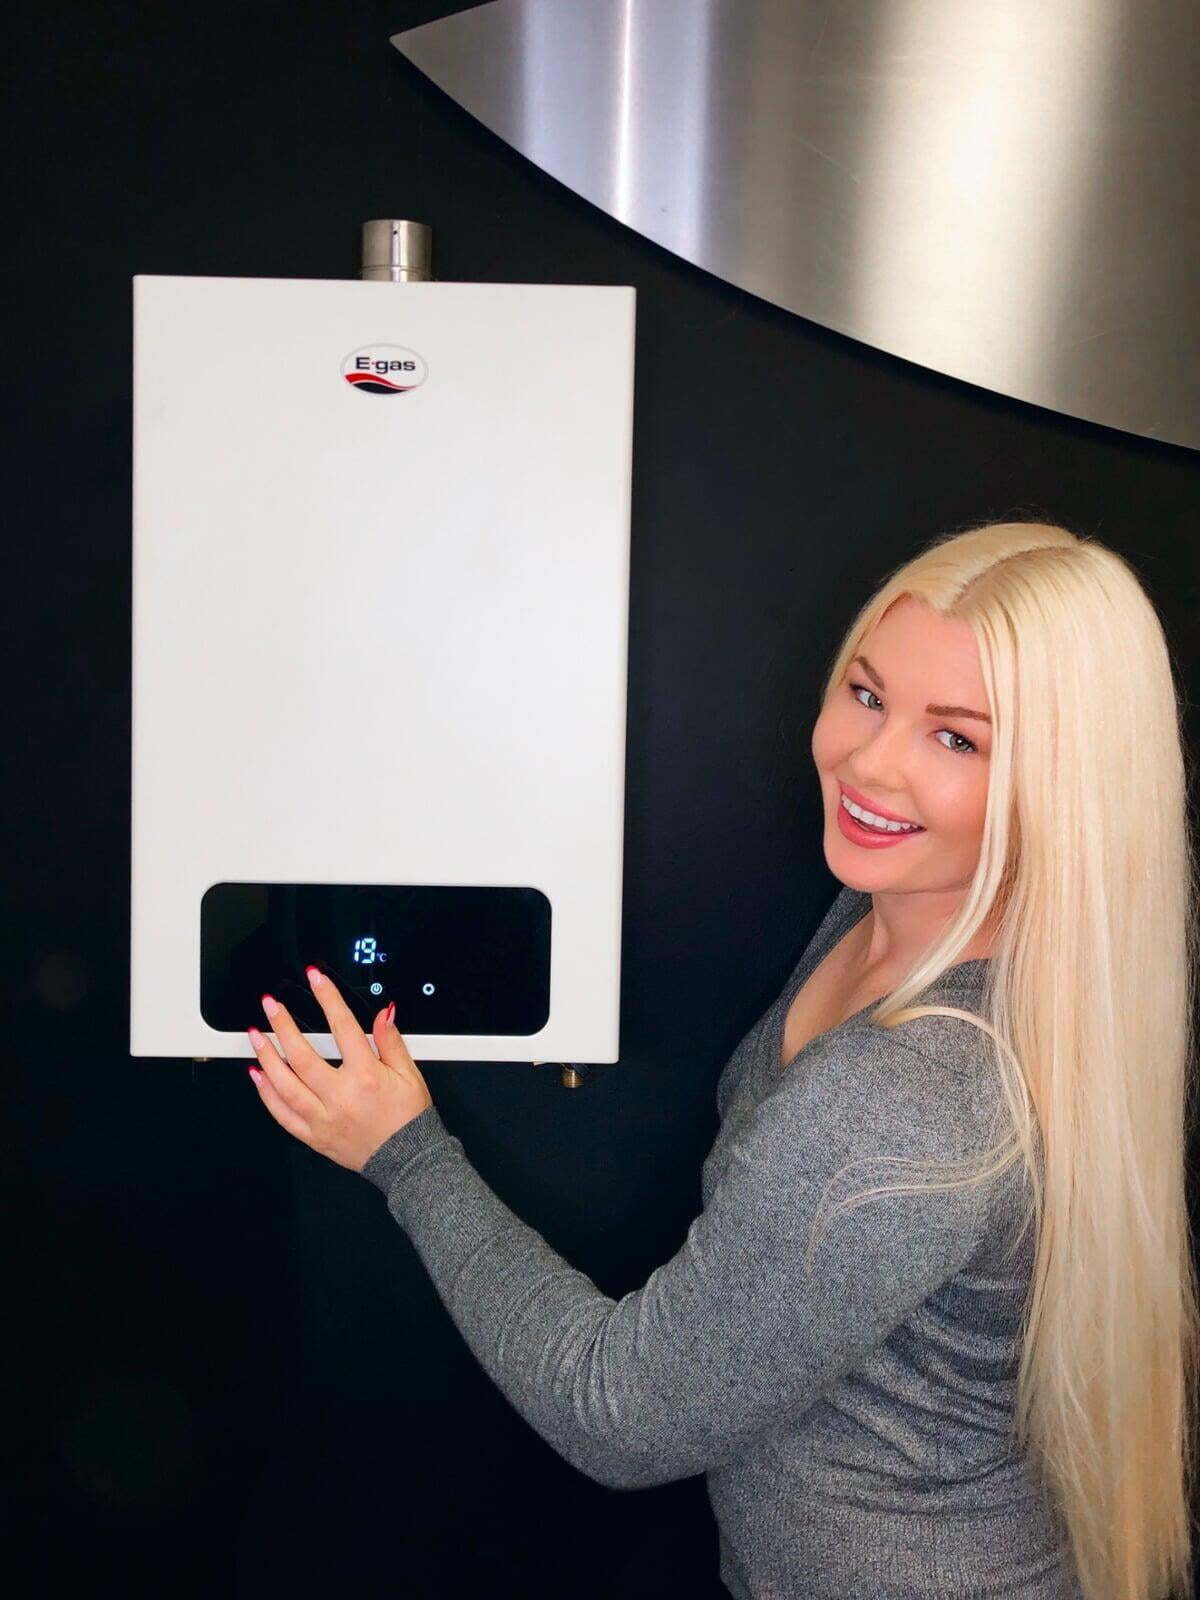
(380,627)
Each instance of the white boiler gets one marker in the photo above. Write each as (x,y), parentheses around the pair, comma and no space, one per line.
(380,624)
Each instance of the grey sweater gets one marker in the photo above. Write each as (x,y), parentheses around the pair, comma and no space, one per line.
(852,1421)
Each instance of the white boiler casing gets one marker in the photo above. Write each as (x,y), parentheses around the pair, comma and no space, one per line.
(380,627)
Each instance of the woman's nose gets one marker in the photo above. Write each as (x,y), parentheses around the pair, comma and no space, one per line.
(879,765)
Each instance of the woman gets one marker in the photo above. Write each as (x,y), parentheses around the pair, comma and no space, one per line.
(976,1374)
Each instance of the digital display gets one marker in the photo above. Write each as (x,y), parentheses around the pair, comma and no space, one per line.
(456,960)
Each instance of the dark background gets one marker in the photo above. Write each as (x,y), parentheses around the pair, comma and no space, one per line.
(229,1373)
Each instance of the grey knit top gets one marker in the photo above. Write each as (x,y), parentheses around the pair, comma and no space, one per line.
(852,1416)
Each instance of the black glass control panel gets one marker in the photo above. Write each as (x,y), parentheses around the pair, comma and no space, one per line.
(456,960)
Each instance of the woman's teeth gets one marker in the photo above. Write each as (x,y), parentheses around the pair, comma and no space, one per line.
(870,820)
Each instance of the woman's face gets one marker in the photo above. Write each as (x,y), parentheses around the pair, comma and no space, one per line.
(878,735)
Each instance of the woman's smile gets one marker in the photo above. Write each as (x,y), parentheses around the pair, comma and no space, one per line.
(871,838)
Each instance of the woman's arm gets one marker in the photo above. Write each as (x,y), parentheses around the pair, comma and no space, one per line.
(731,1336)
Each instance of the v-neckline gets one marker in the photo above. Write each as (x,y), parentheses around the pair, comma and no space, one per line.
(804,969)
(817,950)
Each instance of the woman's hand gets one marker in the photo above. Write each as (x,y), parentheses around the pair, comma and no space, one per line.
(346,1112)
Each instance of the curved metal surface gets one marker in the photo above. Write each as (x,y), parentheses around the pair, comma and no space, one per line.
(1003,192)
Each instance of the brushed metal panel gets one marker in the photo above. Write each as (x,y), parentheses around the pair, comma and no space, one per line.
(1005,192)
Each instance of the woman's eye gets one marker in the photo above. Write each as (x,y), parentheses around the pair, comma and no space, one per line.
(970,749)
(963,740)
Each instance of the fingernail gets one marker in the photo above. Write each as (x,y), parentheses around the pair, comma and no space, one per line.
(391,1012)
(314,977)
(269,1005)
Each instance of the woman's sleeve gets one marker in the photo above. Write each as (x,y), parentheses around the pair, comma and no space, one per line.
(732,1335)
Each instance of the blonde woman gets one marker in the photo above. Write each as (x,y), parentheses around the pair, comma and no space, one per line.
(935,1332)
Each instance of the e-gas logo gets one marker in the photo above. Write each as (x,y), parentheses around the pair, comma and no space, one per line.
(384,369)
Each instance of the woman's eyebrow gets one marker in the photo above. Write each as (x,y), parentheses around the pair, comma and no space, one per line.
(938,711)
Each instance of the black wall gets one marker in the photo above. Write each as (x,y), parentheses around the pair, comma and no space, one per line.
(231,1375)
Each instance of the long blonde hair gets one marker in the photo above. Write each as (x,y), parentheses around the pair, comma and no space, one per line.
(1090,1004)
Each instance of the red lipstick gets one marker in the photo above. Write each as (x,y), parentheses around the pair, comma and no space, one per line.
(870,838)
(872,806)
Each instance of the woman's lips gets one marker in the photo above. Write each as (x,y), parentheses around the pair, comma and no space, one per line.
(870,805)
(871,838)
